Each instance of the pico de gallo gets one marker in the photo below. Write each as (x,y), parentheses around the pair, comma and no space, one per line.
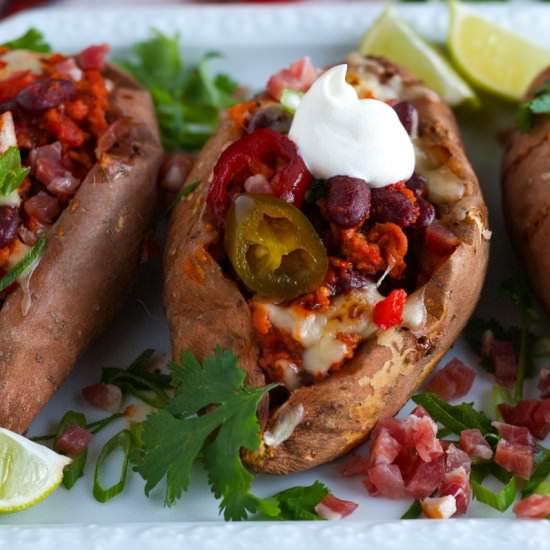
(54,126)
(327,258)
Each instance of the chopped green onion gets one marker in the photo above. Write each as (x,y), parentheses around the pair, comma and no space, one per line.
(98,425)
(500,395)
(124,441)
(290,99)
(184,192)
(414,511)
(136,385)
(11,276)
(540,480)
(501,500)
(75,469)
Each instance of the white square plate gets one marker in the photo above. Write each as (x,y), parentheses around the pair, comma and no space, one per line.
(255,41)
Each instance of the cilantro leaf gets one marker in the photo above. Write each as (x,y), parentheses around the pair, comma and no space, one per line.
(540,104)
(188,100)
(12,172)
(297,503)
(174,437)
(33,40)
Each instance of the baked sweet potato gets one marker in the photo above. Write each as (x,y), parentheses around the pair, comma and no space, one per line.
(93,247)
(321,418)
(526,196)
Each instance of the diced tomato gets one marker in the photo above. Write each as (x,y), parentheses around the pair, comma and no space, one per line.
(452,381)
(426,479)
(61,126)
(475,445)
(533,507)
(503,358)
(422,436)
(335,508)
(515,458)
(533,414)
(299,76)
(389,311)
(515,434)
(93,57)
(384,448)
(544,383)
(457,458)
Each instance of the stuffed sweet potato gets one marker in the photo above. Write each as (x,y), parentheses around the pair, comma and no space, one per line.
(347,287)
(80,155)
(526,196)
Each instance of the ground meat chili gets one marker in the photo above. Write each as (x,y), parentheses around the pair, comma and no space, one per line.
(55,117)
(371,235)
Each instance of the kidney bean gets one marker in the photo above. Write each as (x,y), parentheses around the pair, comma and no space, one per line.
(426,213)
(418,184)
(350,279)
(273,117)
(348,200)
(45,94)
(43,207)
(9,222)
(408,115)
(391,206)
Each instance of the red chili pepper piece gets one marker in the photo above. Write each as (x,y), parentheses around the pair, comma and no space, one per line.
(389,311)
(244,157)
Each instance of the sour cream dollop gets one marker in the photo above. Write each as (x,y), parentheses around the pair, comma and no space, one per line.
(338,134)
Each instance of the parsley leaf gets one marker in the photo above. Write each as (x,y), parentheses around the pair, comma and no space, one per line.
(297,503)
(188,100)
(540,104)
(33,40)
(174,437)
(12,172)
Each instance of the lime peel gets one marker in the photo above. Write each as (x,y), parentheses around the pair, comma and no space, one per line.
(391,37)
(29,472)
(493,58)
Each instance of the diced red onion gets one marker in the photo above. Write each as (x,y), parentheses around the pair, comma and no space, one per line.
(106,397)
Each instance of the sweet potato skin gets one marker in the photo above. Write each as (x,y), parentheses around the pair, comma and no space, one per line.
(88,265)
(205,308)
(526,197)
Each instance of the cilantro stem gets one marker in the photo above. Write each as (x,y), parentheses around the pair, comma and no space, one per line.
(122,440)
(11,276)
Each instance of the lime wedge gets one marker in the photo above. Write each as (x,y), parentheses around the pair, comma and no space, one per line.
(28,472)
(393,38)
(496,59)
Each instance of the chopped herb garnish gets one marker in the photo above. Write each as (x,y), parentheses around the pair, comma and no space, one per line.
(539,482)
(501,500)
(184,192)
(188,100)
(18,270)
(32,40)
(124,441)
(173,437)
(414,511)
(297,503)
(456,418)
(75,469)
(540,104)
(12,172)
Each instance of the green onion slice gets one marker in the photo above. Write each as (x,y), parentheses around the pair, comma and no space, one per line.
(122,440)
(414,511)
(18,270)
(75,469)
(290,99)
(501,500)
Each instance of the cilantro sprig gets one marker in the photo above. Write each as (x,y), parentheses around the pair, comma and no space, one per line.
(539,105)
(33,40)
(174,437)
(188,100)
(12,173)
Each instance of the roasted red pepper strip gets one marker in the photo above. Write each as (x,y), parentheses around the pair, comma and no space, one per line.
(242,158)
(389,311)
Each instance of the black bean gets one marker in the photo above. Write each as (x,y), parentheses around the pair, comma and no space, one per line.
(45,94)
(273,117)
(350,279)
(392,206)
(348,200)
(9,222)
(408,115)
